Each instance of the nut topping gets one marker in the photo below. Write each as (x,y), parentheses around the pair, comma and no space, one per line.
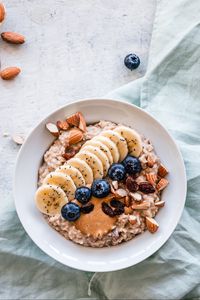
(162,184)
(75,136)
(82,123)
(160,203)
(73,120)
(2,12)
(152,225)
(62,125)
(143,205)
(162,171)
(53,129)
(12,37)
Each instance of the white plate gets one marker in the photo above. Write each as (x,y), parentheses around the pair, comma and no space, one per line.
(105,259)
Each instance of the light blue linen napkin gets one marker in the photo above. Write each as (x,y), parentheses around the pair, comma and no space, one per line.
(170,91)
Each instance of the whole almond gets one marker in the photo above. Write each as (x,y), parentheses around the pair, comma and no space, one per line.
(53,129)
(10,73)
(12,37)
(152,225)
(75,136)
(2,12)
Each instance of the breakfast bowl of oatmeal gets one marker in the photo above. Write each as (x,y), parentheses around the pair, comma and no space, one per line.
(99,185)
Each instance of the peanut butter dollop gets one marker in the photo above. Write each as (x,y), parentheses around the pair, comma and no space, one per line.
(96,223)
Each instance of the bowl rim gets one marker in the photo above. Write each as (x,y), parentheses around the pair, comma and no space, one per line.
(162,240)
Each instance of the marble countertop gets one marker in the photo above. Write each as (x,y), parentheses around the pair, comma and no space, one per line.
(73,49)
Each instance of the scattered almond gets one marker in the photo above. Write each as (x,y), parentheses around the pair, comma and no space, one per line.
(132,220)
(75,136)
(152,225)
(136,196)
(12,37)
(18,139)
(127,201)
(62,125)
(143,205)
(162,171)
(162,184)
(120,193)
(82,123)
(128,210)
(73,120)
(115,184)
(10,73)
(150,161)
(151,178)
(160,203)
(53,129)
(2,12)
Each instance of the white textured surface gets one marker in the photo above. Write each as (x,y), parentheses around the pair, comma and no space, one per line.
(74,49)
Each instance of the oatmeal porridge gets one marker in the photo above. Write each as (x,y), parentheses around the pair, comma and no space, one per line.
(100,184)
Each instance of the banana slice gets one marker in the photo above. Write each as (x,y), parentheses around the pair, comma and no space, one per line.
(93,161)
(119,141)
(132,138)
(101,147)
(62,180)
(74,173)
(111,146)
(83,167)
(50,199)
(100,154)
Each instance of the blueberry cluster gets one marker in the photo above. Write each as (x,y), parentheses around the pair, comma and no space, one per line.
(100,189)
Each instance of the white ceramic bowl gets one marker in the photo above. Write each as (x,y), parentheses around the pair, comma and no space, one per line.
(103,259)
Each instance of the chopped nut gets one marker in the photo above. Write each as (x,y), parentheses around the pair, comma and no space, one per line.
(162,184)
(132,220)
(120,193)
(151,178)
(53,129)
(160,203)
(162,171)
(128,210)
(115,184)
(143,205)
(63,125)
(75,136)
(150,161)
(18,139)
(136,196)
(73,120)
(127,201)
(152,225)
(82,123)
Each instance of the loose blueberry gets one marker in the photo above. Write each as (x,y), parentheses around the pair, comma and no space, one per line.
(70,211)
(83,194)
(132,61)
(100,188)
(117,172)
(132,165)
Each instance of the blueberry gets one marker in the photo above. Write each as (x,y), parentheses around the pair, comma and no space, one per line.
(132,165)
(100,188)
(70,211)
(117,172)
(83,194)
(132,61)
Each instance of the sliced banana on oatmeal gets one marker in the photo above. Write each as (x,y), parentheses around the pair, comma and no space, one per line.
(50,199)
(74,173)
(101,155)
(132,138)
(111,146)
(101,147)
(93,161)
(83,167)
(119,141)
(62,180)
